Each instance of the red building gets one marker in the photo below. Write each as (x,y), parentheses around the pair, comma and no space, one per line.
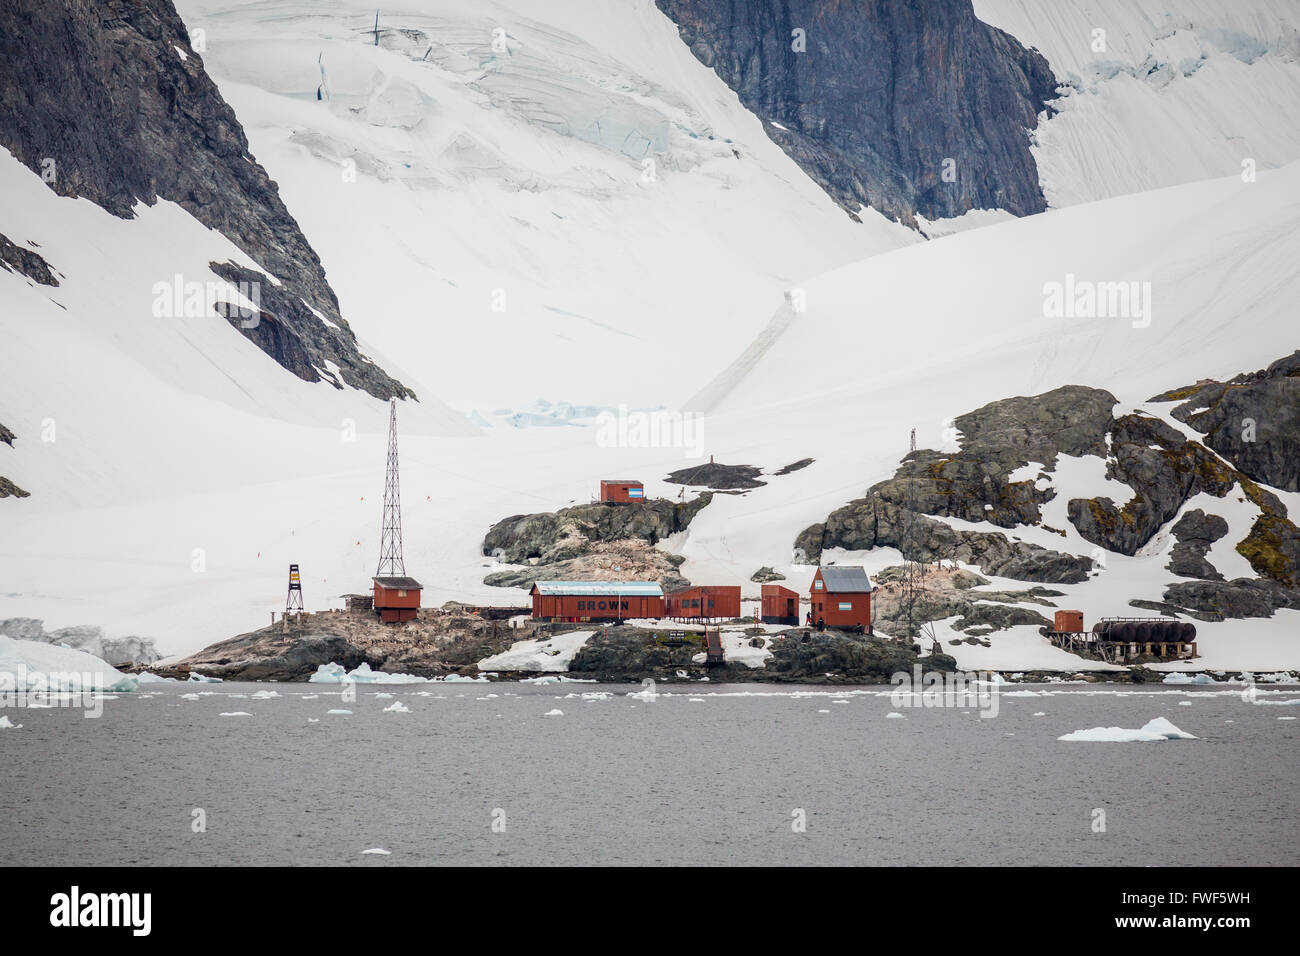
(596,600)
(780,605)
(397,599)
(621,492)
(705,602)
(841,598)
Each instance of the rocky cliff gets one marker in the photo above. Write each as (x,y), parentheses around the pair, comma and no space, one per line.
(878,99)
(107,100)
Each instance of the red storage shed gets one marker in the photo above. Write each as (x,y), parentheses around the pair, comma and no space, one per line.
(397,599)
(621,492)
(705,602)
(780,605)
(841,597)
(596,600)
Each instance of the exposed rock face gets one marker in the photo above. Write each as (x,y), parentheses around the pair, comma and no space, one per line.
(948,593)
(883,95)
(974,485)
(28,262)
(1163,468)
(832,657)
(631,654)
(1241,597)
(1252,420)
(592,541)
(438,642)
(97,89)
(718,476)
(766,575)
(7,488)
(1195,532)
(630,559)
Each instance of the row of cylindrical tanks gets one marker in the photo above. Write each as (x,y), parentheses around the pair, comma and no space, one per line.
(1145,632)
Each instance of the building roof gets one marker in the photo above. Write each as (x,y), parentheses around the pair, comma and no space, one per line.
(622,481)
(846,580)
(407,584)
(600,588)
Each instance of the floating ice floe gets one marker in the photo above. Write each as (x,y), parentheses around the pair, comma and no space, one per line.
(144,677)
(1152,731)
(189,697)
(397,707)
(265,695)
(236,713)
(197,678)
(554,713)
(376,851)
(339,710)
(7,724)
(1039,713)
(894,715)
(1178,677)
(333,673)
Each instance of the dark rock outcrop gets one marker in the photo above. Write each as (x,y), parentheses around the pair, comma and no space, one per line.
(1195,531)
(832,657)
(568,533)
(1252,420)
(884,94)
(95,95)
(766,575)
(1163,468)
(599,541)
(28,262)
(1240,597)
(974,485)
(718,476)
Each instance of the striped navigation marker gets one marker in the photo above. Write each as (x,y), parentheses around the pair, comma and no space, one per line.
(293,601)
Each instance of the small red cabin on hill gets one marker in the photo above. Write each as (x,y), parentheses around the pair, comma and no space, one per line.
(596,600)
(621,492)
(841,597)
(397,599)
(780,605)
(705,602)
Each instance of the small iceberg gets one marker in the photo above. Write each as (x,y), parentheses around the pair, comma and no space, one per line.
(236,713)
(554,713)
(1150,732)
(339,710)
(376,851)
(397,707)
(7,724)
(333,673)
(1177,677)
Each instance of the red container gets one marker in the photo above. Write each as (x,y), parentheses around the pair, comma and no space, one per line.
(1070,622)
(621,492)
(780,605)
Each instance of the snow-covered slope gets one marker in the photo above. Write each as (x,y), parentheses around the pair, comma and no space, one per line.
(543,192)
(1170,93)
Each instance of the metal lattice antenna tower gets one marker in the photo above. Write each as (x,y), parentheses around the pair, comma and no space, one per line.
(390,544)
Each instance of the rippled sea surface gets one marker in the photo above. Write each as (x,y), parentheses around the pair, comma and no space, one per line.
(703,773)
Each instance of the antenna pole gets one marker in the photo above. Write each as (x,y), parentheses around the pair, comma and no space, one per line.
(390,544)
